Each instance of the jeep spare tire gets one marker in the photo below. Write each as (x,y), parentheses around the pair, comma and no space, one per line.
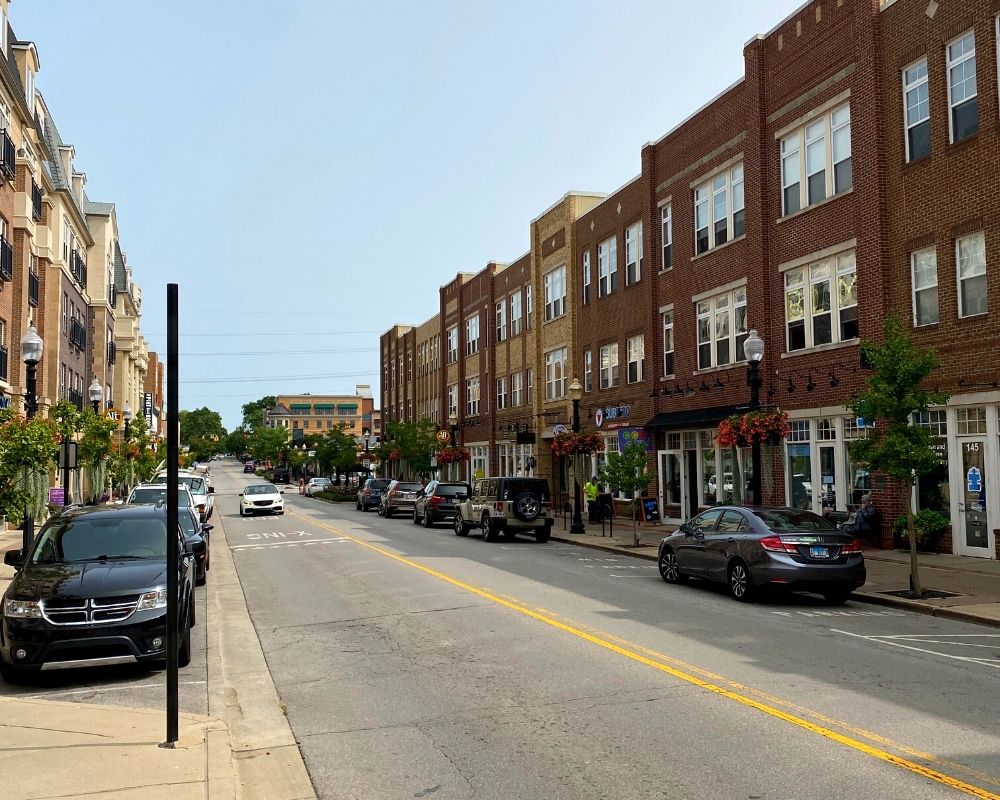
(527,506)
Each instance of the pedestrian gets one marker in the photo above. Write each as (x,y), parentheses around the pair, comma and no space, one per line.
(590,491)
(302,485)
(866,520)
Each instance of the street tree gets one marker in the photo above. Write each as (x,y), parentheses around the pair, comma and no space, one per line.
(628,473)
(414,441)
(893,395)
(267,444)
(253,412)
(27,452)
(202,432)
(337,452)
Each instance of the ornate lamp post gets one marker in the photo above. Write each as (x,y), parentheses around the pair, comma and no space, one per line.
(575,394)
(753,349)
(96,393)
(32,347)
(453,424)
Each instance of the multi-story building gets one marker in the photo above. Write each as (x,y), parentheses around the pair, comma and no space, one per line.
(152,401)
(131,349)
(316,414)
(102,220)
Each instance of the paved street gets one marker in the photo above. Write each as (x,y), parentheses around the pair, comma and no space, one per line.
(414,663)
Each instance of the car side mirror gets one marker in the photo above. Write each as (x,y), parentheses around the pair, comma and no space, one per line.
(207,527)
(282,491)
(196,547)
(211,490)
(14,558)
(240,494)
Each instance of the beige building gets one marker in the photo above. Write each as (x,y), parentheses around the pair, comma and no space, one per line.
(316,413)
(132,357)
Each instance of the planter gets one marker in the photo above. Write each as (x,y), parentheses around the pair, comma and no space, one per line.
(569,444)
(742,430)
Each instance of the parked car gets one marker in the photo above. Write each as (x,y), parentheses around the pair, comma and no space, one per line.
(260,497)
(92,592)
(439,501)
(195,530)
(203,494)
(399,496)
(750,548)
(318,485)
(507,506)
(249,466)
(370,494)
(280,475)
(146,494)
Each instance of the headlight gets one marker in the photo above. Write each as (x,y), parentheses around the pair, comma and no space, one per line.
(22,609)
(157,598)
(247,501)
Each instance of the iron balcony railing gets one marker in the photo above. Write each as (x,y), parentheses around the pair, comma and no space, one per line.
(33,288)
(36,201)
(3,363)
(79,268)
(112,352)
(77,334)
(7,156)
(6,260)
(76,398)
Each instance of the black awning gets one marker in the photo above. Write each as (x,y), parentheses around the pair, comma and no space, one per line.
(693,418)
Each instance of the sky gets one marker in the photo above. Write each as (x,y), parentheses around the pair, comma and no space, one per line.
(310,172)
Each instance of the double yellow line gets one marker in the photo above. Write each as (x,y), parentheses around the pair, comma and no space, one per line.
(682,674)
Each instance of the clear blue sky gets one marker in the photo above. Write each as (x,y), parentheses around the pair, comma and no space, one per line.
(311,172)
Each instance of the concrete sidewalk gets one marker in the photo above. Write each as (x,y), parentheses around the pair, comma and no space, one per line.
(974,581)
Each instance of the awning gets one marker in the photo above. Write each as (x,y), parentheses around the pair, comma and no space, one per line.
(694,418)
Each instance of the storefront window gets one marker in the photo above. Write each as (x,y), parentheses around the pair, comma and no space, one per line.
(480,463)
(799,465)
(730,486)
(708,477)
(933,490)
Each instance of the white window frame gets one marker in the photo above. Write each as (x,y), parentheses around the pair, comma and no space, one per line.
(635,353)
(588,370)
(501,320)
(921,86)
(529,386)
(516,388)
(501,393)
(452,400)
(979,274)
(840,266)
(720,185)
(472,396)
(472,335)
(607,266)
(633,253)
(667,237)
(607,366)
(452,334)
(667,320)
(556,362)
(586,277)
(515,313)
(723,309)
(796,145)
(554,285)
(951,64)
(915,290)
(528,307)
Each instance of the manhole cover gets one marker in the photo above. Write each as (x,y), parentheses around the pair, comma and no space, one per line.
(929,594)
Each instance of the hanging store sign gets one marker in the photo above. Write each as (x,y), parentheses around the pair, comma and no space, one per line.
(611,414)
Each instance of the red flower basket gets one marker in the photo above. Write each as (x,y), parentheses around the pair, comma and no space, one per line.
(764,427)
(568,444)
(449,455)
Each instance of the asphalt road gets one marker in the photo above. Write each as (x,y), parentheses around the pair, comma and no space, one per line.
(415,663)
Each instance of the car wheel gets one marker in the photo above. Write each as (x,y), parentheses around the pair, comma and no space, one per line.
(388,513)
(489,534)
(428,519)
(461,529)
(669,570)
(201,577)
(527,506)
(416,519)
(359,506)
(12,674)
(184,653)
(740,585)
(241,511)
(542,535)
(837,597)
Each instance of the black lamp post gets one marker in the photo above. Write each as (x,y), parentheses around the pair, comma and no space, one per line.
(127,416)
(366,434)
(96,393)
(753,349)
(575,394)
(32,347)
(453,425)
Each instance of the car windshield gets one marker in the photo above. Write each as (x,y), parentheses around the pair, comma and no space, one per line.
(408,487)
(101,538)
(148,495)
(320,480)
(260,488)
(513,488)
(378,483)
(786,520)
(445,490)
(188,523)
(197,485)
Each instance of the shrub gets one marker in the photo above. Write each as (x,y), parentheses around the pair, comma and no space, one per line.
(928,525)
(337,496)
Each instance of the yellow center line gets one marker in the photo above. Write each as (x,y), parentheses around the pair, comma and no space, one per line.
(687,674)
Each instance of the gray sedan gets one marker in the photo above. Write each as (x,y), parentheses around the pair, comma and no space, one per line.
(749,549)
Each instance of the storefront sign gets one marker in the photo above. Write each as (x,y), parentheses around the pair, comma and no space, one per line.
(611,413)
(56,496)
(627,436)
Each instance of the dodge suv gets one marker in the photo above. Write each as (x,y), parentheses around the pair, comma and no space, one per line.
(93,591)
(507,506)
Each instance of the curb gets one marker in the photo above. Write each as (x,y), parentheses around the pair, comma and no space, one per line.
(944,612)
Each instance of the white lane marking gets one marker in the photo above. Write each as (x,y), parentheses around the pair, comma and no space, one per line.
(116,688)
(237,547)
(842,613)
(986,662)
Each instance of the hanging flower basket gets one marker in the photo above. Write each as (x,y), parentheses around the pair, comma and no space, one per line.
(764,427)
(449,455)
(568,444)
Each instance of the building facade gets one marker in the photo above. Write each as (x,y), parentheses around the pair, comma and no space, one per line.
(316,414)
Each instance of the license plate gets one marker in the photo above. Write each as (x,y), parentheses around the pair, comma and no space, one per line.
(819,552)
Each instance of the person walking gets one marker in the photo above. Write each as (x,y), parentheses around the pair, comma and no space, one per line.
(590,491)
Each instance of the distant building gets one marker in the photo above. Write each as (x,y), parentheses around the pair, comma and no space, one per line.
(318,413)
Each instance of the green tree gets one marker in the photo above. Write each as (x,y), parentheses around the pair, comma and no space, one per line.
(415,442)
(628,473)
(896,447)
(337,451)
(27,451)
(94,450)
(253,413)
(202,432)
(267,444)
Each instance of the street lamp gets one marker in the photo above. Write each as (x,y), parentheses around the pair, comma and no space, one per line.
(96,393)
(127,416)
(575,394)
(32,347)
(753,349)
(453,424)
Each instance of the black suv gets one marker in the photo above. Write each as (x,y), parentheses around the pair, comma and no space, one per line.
(507,506)
(93,592)
(439,501)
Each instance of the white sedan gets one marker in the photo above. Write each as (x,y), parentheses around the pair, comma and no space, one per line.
(318,485)
(261,497)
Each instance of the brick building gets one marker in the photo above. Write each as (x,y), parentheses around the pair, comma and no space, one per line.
(318,413)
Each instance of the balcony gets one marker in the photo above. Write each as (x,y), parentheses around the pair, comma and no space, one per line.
(6,260)
(112,353)
(36,201)
(7,157)
(3,363)
(112,295)
(77,335)
(78,267)
(33,288)
(76,398)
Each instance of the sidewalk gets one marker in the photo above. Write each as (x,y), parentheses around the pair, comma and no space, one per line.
(975,581)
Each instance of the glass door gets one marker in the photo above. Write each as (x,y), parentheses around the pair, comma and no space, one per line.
(673,485)
(973,536)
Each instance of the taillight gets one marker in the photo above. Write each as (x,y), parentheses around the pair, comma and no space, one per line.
(854,546)
(436,501)
(775,545)
(367,493)
(499,506)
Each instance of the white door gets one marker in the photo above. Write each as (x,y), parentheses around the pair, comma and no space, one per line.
(673,485)
(974,536)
